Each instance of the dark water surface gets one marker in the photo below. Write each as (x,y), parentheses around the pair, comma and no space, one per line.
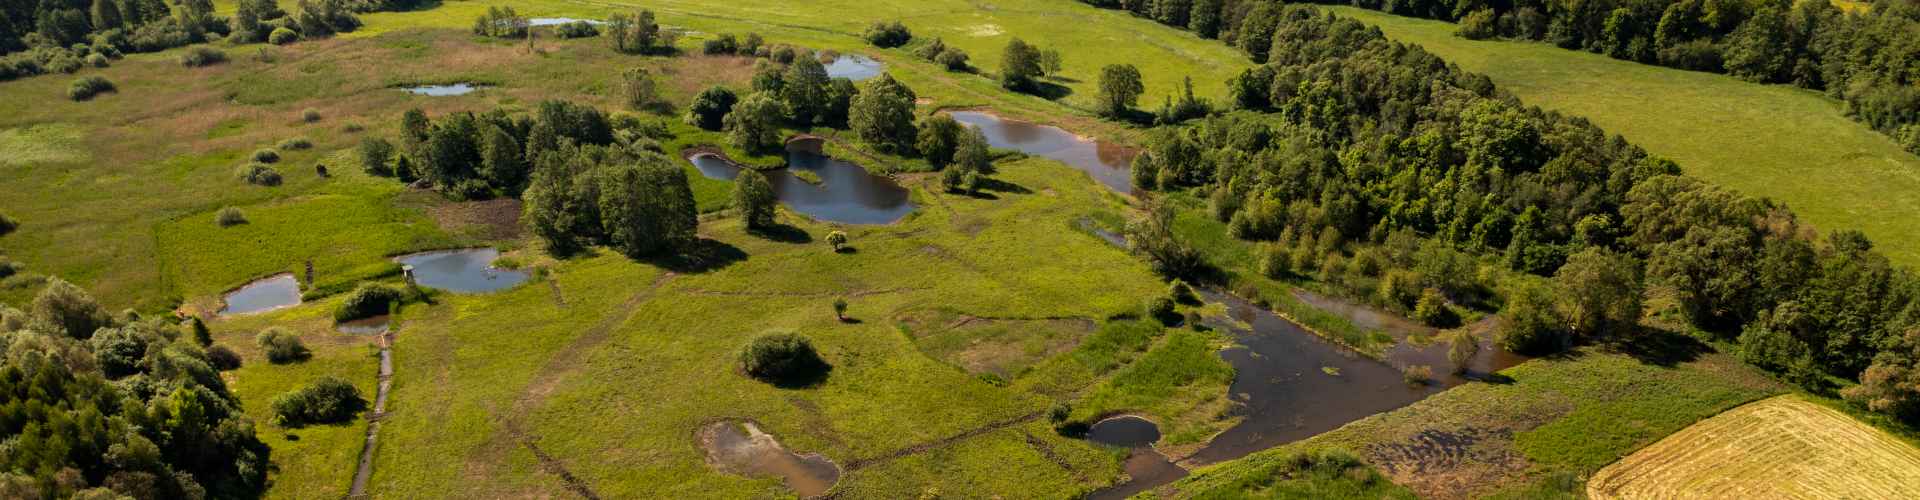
(464,271)
(1125,431)
(1108,163)
(743,449)
(846,193)
(273,292)
(1145,466)
(854,67)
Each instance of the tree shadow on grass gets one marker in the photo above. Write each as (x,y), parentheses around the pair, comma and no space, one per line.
(701,256)
(782,233)
(1000,186)
(1661,348)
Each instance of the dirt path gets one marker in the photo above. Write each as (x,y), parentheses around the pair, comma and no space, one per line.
(488,457)
(365,470)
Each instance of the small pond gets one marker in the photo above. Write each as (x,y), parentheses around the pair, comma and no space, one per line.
(1145,466)
(1108,163)
(741,448)
(556,21)
(1125,431)
(466,271)
(854,67)
(462,88)
(369,326)
(846,193)
(274,292)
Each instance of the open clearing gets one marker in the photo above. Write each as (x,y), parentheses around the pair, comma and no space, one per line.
(1784,447)
(1793,145)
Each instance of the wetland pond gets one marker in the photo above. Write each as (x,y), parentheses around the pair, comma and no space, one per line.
(272,292)
(742,448)
(854,67)
(847,193)
(464,271)
(452,89)
(1107,162)
(369,326)
(1145,466)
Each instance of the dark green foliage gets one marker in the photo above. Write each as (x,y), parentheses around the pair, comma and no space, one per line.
(1120,89)
(68,310)
(1162,309)
(1152,236)
(281,346)
(711,107)
(804,89)
(197,330)
(723,44)
(1020,66)
(939,139)
(266,155)
(229,217)
(646,207)
(840,308)
(953,59)
(1478,25)
(295,144)
(167,424)
(501,22)
(258,174)
(1528,323)
(8,225)
(576,29)
(753,197)
(754,124)
(376,157)
(1460,351)
(837,239)
(202,56)
(471,156)
(283,36)
(366,301)
(1182,293)
(86,88)
(638,34)
(1600,293)
(887,35)
(783,358)
(882,115)
(328,400)
(1432,310)
(223,359)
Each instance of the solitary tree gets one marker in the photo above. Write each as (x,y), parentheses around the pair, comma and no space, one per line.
(838,239)
(647,208)
(805,87)
(972,155)
(753,196)
(1050,62)
(1019,65)
(1120,88)
(1461,351)
(840,308)
(639,86)
(710,108)
(939,138)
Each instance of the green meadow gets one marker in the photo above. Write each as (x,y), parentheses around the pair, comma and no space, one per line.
(1792,145)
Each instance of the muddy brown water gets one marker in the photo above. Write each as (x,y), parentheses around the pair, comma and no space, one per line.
(369,326)
(847,193)
(464,271)
(273,292)
(854,67)
(742,448)
(1108,163)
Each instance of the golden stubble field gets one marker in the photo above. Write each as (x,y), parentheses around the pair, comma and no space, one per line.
(1783,447)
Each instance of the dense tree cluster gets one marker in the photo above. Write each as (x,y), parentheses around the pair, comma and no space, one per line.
(98,406)
(634,200)
(639,34)
(325,401)
(1869,57)
(1376,165)
(475,156)
(501,22)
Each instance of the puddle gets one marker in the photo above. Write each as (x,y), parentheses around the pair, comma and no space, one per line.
(1107,162)
(444,90)
(465,271)
(854,67)
(1287,385)
(369,326)
(556,21)
(741,448)
(1145,466)
(846,193)
(267,294)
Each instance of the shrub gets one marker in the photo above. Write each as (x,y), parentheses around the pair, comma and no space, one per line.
(266,155)
(222,358)
(202,56)
(1477,25)
(367,301)
(1182,293)
(97,60)
(1432,310)
(375,156)
(259,174)
(953,59)
(1417,374)
(1059,412)
(295,144)
(9,268)
(782,358)
(838,239)
(1275,260)
(7,225)
(281,346)
(86,87)
(325,401)
(310,115)
(198,330)
(229,217)
(1461,351)
(724,44)
(888,35)
(576,29)
(1162,308)
(840,308)
(283,36)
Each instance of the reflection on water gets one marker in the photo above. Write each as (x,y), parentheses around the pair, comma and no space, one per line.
(854,67)
(1107,162)
(846,193)
(466,271)
(743,449)
(443,90)
(274,292)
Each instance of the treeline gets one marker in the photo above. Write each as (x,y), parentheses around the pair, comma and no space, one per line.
(1870,58)
(62,36)
(98,406)
(1374,164)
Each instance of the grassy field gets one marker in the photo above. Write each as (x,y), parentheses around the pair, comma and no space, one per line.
(1793,145)
(1783,447)
(1535,436)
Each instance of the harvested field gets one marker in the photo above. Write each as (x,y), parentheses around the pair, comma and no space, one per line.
(1783,447)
